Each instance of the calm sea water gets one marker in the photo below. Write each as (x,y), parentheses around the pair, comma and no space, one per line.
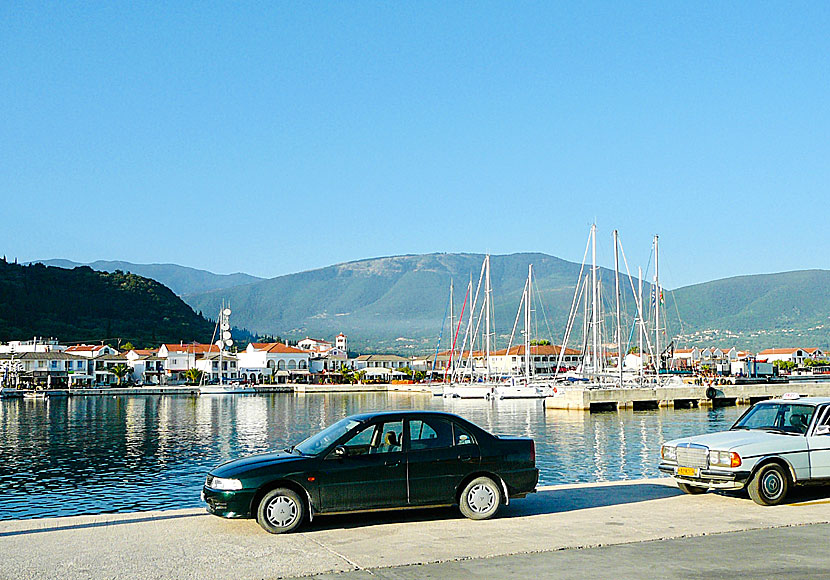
(87,455)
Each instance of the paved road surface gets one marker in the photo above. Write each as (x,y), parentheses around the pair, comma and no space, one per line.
(645,528)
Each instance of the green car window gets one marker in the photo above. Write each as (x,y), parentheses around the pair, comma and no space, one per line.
(430,434)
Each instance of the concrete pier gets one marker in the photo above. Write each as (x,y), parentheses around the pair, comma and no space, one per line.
(192,544)
(583,399)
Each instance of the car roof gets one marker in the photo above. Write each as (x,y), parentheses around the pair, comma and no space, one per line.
(801,401)
(404,413)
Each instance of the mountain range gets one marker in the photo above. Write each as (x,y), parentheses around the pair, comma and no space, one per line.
(398,303)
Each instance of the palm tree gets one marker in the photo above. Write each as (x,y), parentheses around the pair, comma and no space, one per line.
(120,371)
(193,376)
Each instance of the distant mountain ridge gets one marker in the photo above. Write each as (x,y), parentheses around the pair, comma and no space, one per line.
(180,279)
(398,303)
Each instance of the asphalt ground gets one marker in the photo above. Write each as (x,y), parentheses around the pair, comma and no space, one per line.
(636,529)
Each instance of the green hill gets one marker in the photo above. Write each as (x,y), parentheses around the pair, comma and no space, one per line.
(85,305)
(180,279)
(765,310)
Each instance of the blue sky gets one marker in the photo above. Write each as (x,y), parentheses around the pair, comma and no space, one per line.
(275,137)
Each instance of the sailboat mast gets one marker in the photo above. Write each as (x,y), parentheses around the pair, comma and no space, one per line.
(452,325)
(640,320)
(487,314)
(222,347)
(659,362)
(595,301)
(527,322)
(617,292)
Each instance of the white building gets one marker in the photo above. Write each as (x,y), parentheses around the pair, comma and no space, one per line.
(314,345)
(147,367)
(37,344)
(179,358)
(274,362)
(796,355)
(543,361)
(216,366)
(53,369)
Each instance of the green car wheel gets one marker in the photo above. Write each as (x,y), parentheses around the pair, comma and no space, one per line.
(480,499)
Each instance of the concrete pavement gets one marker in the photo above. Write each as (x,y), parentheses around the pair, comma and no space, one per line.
(192,544)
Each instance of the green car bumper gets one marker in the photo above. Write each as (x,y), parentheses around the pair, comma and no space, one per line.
(228,504)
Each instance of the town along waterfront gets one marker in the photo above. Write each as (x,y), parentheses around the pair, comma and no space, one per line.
(101,454)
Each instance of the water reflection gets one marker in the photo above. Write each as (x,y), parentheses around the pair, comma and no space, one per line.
(106,454)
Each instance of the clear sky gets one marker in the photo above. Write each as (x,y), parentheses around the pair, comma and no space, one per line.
(275,137)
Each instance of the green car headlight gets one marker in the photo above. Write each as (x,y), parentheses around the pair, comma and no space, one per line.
(223,484)
(668,452)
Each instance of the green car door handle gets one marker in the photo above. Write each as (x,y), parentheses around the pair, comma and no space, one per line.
(465,457)
(393,463)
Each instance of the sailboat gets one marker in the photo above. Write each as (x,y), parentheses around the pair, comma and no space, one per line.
(594,370)
(522,385)
(223,330)
(472,377)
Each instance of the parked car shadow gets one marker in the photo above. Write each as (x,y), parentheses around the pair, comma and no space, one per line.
(543,502)
(796,495)
(135,519)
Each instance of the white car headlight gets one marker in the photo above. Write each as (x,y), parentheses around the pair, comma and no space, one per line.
(668,452)
(724,458)
(224,484)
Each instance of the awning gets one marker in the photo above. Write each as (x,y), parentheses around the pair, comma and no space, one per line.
(282,373)
(298,371)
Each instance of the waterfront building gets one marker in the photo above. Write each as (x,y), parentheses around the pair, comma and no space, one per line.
(91,351)
(796,355)
(54,369)
(543,361)
(273,362)
(179,358)
(103,369)
(147,367)
(378,361)
(215,366)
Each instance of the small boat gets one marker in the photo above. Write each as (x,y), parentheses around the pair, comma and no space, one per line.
(34,395)
(229,389)
(469,390)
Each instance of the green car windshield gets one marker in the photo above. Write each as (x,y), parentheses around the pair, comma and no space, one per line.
(321,441)
(780,417)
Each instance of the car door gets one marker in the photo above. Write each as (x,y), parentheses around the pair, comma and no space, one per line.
(440,454)
(818,442)
(370,474)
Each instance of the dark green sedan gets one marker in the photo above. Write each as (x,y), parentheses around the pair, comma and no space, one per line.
(376,461)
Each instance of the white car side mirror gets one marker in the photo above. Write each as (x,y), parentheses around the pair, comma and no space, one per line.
(822,430)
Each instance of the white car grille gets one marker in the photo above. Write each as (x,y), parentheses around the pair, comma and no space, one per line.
(692,456)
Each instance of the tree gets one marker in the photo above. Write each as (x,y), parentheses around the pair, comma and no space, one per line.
(359,376)
(543,342)
(120,371)
(193,376)
(128,347)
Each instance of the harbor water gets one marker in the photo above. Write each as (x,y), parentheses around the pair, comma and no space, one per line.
(102,454)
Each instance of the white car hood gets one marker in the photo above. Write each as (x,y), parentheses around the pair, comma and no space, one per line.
(746,442)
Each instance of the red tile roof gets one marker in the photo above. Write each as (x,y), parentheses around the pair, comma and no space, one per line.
(277,348)
(192,348)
